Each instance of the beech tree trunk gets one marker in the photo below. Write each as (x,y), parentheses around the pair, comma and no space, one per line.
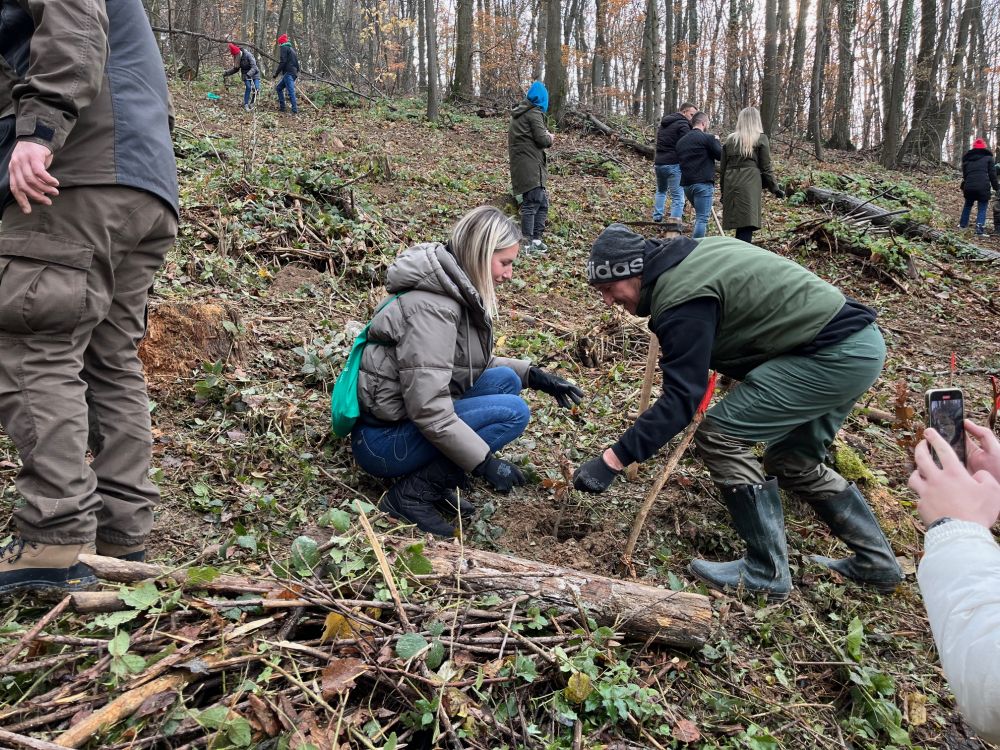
(840,136)
(461,86)
(769,88)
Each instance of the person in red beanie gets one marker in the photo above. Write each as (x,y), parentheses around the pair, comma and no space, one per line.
(287,71)
(249,72)
(978,175)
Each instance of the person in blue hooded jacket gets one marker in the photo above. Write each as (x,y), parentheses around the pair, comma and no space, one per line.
(527,140)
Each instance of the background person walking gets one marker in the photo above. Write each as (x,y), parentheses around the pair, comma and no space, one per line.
(672,128)
(744,170)
(288,72)
(246,66)
(697,153)
(978,175)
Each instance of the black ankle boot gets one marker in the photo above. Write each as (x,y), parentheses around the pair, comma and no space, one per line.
(852,521)
(420,497)
(760,522)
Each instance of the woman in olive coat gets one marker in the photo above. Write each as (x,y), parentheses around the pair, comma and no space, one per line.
(745,170)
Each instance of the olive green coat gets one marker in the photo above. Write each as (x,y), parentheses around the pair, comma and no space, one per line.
(741,180)
(527,140)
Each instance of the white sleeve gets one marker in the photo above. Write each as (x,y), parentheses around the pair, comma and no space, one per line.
(959,578)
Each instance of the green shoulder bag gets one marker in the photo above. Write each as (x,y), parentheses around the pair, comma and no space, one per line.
(344,406)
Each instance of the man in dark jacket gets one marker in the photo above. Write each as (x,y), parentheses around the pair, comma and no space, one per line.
(88,190)
(979,174)
(804,354)
(527,139)
(245,64)
(672,128)
(288,71)
(697,153)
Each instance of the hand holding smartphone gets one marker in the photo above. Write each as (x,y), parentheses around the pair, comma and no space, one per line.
(946,414)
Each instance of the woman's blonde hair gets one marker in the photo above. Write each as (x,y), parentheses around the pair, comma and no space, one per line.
(748,130)
(475,238)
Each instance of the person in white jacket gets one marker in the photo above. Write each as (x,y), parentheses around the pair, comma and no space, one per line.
(959,575)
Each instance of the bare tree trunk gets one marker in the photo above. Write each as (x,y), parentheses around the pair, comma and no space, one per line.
(461,87)
(599,66)
(541,39)
(894,112)
(191,57)
(555,70)
(769,86)
(732,65)
(421,45)
(794,97)
(430,21)
(816,86)
(885,50)
(840,136)
(692,56)
(669,77)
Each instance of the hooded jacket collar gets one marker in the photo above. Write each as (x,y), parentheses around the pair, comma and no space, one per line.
(430,267)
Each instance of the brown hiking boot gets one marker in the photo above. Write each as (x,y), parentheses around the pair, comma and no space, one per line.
(33,566)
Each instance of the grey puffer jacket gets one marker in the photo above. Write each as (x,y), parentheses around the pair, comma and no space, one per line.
(436,340)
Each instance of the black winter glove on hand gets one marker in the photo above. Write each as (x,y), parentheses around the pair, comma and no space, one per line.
(779,193)
(565,393)
(502,475)
(594,476)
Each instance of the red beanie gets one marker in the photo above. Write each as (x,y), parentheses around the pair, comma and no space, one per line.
(283,38)
(234,49)
(979,143)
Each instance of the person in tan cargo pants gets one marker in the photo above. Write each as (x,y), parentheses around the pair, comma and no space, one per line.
(88,189)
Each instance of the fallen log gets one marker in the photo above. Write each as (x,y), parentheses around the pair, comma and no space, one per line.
(646,150)
(859,209)
(642,611)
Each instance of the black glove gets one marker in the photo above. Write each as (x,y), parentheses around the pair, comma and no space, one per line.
(565,393)
(594,476)
(779,193)
(503,475)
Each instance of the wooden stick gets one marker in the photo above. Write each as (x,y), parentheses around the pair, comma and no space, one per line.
(647,388)
(21,741)
(717,222)
(29,636)
(383,564)
(125,571)
(120,708)
(647,504)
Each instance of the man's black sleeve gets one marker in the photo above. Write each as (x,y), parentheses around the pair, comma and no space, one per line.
(715,148)
(686,334)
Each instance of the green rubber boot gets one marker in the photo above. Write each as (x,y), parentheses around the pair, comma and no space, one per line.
(760,522)
(852,521)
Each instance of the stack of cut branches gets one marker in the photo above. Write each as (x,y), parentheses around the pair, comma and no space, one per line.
(372,646)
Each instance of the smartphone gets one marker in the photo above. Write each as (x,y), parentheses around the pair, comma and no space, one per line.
(946,414)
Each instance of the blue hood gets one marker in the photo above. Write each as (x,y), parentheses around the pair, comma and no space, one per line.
(539,96)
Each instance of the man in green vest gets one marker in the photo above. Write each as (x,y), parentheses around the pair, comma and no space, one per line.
(804,354)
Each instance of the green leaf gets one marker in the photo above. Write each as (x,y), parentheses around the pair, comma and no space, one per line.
(413,560)
(524,667)
(112,620)
(118,646)
(855,637)
(133,663)
(214,717)
(247,541)
(391,742)
(435,655)
(337,518)
(305,555)
(409,645)
(202,575)
(239,732)
(143,596)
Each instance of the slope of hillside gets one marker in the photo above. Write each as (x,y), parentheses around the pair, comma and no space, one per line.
(287,226)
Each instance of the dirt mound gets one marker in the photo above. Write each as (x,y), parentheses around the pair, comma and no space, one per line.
(291,278)
(181,336)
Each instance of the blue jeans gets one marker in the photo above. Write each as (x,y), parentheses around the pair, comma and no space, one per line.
(701,196)
(287,82)
(491,407)
(980,214)
(252,87)
(668,181)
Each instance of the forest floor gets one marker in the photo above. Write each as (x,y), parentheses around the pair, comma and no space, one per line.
(287,226)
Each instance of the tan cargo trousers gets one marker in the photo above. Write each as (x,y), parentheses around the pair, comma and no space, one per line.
(74,282)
